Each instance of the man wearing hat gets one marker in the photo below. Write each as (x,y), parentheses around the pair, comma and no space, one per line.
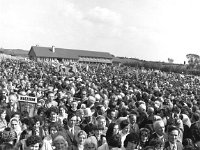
(89,119)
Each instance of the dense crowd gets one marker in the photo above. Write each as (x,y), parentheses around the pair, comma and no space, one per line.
(97,107)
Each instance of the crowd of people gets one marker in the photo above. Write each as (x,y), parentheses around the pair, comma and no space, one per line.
(98,107)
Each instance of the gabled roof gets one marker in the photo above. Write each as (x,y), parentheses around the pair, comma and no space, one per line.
(68,53)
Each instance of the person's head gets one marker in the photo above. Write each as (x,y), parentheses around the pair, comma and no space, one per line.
(114,141)
(187,142)
(81,137)
(74,105)
(91,100)
(53,128)
(125,127)
(6,146)
(144,134)
(195,117)
(101,121)
(27,123)
(98,131)
(80,113)
(150,111)
(84,94)
(113,128)
(12,99)
(90,143)
(33,142)
(158,144)
(41,111)
(14,123)
(61,94)
(9,136)
(131,141)
(88,114)
(16,115)
(62,109)
(2,113)
(51,96)
(37,121)
(111,114)
(132,118)
(159,127)
(59,141)
(72,120)
(53,114)
(173,134)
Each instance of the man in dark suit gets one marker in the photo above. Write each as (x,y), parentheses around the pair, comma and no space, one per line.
(71,129)
(12,107)
(173,143)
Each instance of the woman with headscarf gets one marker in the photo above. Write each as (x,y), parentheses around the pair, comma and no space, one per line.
(15,125)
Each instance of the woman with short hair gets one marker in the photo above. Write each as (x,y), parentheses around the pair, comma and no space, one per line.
(33,142)
(59,141)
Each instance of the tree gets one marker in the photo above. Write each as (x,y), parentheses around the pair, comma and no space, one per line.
(193,60)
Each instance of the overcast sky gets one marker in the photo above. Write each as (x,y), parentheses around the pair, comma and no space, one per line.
(144,29)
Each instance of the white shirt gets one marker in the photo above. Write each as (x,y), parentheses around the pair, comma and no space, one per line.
(173,146)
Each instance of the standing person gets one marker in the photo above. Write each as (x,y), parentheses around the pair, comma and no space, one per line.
(101,123)
(15,125)
(88,120)
(48,140)
(62,114)
(98,134)
(51,100)
(144,137)
(37,127)
(12,106)
(111,116)
(125,128)
(159,133)
(133,123)
(113,128)
(80,137)
(8,136)
(73,108)
(71,129)
(112,143)
(173,143)
(3,122)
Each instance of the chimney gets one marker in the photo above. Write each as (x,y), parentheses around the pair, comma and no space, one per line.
(53,49)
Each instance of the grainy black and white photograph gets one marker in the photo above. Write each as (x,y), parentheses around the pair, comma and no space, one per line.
(99,75)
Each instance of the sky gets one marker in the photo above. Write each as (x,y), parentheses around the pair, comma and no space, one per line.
(145,29)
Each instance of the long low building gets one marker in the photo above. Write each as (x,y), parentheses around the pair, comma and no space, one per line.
(70,55)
